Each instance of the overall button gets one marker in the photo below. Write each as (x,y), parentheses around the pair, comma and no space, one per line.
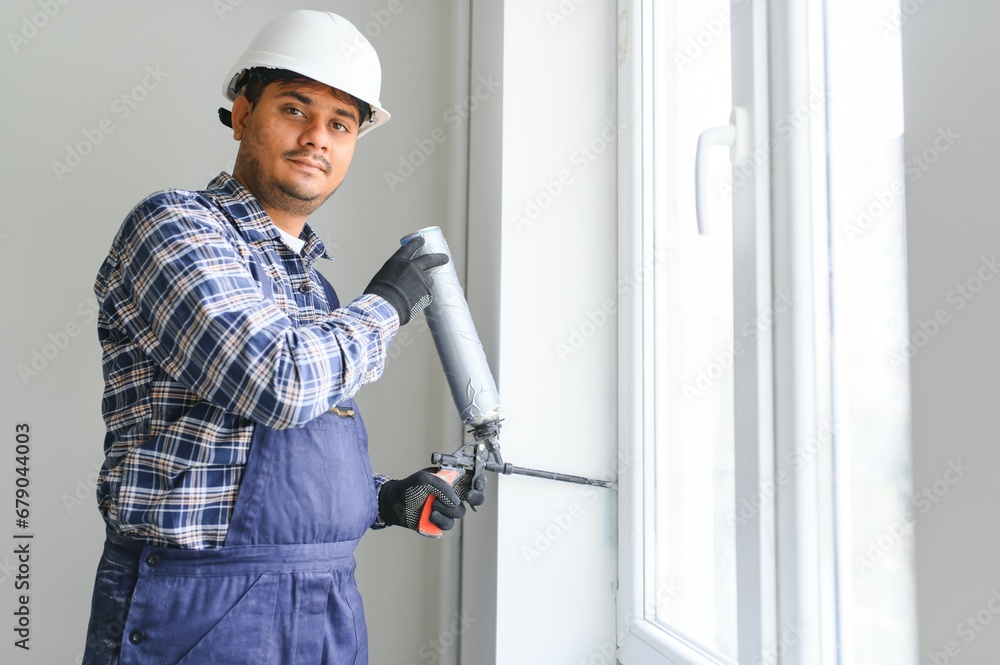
(136,637)
(153,560)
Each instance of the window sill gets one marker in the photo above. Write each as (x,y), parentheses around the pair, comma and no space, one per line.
(649,644)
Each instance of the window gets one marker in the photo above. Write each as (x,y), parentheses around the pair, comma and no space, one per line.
(745,379)
(690,338)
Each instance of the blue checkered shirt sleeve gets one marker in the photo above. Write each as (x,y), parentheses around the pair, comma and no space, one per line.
(195,356)
(184,294)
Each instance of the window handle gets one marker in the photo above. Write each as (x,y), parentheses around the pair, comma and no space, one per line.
(736,137)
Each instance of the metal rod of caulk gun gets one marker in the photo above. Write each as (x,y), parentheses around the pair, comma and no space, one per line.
(549,475)
(509,469)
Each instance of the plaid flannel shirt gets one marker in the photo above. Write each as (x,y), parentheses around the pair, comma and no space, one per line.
(194,357)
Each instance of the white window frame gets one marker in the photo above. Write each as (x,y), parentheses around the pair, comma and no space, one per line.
(782,390)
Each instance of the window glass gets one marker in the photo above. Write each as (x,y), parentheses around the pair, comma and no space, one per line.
(694,346)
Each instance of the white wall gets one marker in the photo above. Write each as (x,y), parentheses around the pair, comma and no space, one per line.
(552,584)
(951,56)
(60,81)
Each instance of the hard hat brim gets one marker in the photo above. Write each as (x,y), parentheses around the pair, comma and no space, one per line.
(381,116)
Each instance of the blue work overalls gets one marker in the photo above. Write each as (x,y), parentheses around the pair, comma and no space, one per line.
(281,590)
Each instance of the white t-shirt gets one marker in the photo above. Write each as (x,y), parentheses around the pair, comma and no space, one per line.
(295,244)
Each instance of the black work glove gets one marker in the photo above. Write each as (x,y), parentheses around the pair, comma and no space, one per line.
(474,496)
(403,280)
(400,502)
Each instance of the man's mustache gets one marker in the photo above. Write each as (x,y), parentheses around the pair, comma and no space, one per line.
(310,156)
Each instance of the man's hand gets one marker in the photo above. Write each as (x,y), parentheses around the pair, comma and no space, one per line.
(400,502)
(404,282)
(474,496)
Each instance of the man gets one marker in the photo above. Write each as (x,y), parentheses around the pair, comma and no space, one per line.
(237,481)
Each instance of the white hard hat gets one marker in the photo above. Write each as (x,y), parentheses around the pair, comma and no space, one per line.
(321,46)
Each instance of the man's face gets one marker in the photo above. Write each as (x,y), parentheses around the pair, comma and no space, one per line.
(296,144)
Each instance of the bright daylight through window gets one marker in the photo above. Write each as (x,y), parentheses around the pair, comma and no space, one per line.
(793,277)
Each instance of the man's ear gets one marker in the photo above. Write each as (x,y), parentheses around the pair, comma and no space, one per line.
(241,113)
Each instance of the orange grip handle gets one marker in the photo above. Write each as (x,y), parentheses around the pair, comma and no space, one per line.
(426,527)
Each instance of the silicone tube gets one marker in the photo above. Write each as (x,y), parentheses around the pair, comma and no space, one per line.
(458,346)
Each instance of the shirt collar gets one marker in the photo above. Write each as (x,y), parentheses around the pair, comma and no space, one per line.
(251,218)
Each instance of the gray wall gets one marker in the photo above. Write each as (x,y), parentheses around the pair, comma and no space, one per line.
(64,73)
(951,59)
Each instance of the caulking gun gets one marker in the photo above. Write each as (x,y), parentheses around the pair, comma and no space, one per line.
(471,383)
